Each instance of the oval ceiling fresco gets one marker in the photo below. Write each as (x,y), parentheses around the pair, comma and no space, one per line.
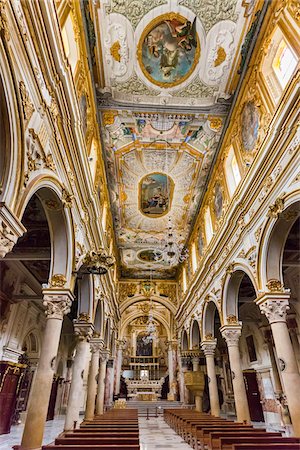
(169,50)
(155,194)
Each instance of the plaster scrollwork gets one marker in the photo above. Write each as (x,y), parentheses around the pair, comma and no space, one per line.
(66,198)
(211,12)
(4,27)
(270,181)
(220,55)
(57,305)
(134,86)
(134,10)
(275,309)
(116,49)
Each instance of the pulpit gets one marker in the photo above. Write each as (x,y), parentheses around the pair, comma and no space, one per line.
(195,382)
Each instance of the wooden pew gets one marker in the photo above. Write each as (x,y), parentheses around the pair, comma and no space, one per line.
(216,438)
(283,446)
(227,443)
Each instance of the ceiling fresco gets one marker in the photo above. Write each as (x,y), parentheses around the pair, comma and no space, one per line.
(157,167)
(163,73)
(175,52)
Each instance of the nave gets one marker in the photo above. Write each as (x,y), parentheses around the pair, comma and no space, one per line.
(149,217)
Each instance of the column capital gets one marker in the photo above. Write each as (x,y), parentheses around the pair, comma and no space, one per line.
(83,327)
(172,345)
(58,302)
(274,307)
(10,229)
(209,347)
(96,344)
(231,334)
(104,355)
(121,343)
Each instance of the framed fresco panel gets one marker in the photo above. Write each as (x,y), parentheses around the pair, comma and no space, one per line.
(169,50)
(155,194)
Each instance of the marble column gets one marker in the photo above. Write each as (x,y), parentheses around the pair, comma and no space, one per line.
(104,355)
(209,347)
(109,382)
(83,330)
(275,307)
(120,348)
(172,346)
(198,397)
(97,345)
(232,333)
(57,302)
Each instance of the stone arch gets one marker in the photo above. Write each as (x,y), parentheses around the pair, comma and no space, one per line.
(208,319)
(230,290)
(195,335)
(273,239)
(10,135)
(184,341)
(60,223)
(135,315)
(140,298)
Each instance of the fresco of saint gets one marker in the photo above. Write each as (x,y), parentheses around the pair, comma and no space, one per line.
(155,193)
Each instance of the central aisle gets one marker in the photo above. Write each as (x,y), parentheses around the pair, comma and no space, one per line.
(155,433)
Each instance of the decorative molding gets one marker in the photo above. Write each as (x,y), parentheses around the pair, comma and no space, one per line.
(66,198)
(275,285)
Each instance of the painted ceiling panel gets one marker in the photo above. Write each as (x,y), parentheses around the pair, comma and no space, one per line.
(162,69)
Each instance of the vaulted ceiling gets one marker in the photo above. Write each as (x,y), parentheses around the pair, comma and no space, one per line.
(164,74)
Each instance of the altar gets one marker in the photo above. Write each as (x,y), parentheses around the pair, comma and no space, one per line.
(145,390)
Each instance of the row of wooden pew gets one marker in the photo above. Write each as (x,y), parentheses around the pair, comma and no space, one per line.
(116,429)
(206,432)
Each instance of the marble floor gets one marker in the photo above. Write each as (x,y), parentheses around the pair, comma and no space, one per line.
(52,429)
(154,434)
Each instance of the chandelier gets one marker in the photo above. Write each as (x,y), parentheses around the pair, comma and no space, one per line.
(174,251)
(150,330)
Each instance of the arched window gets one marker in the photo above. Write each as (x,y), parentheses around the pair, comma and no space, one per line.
(69,42)
(279,64)
(232,172)
(208,225)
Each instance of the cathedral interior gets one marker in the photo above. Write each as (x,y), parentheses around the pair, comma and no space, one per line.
(149,219)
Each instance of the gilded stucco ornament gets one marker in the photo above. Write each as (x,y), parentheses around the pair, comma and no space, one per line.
(66,198)
(232,319)
(27,105)
(276,208)
(134,86)
(36,156)
(275,285)
(197,89)
(97,262)
(58,280)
